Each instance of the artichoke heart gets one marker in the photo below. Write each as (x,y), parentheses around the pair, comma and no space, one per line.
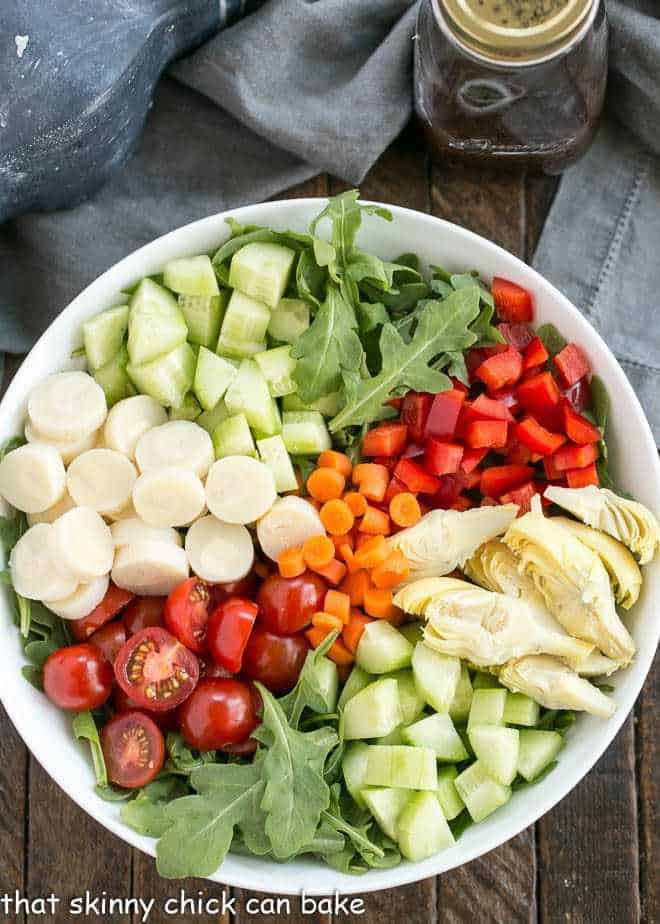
(555,686)
(630,522)
(444,539)
(573,582)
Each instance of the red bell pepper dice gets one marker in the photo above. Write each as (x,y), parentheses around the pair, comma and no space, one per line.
(540,396)
(513,303)
(521,496)
(414,411)
(472,479)
(500,479)
(578,428)
(517,454)
(413,450)
(501,370)
(456,383)
(572,456)
(579,395)
(415,477)
(581,477)
(535,355)
(448,491)
(518,335)
(443,416)
(462,503)
(552,473)
(472,458)
(486,434)
(509,398)
(388,439)
(442,458)
(531,434)
(395,403)
(485,408)
(394,487)
(477,355)
(571,365)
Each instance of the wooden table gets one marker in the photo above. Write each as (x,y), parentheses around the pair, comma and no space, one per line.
(593,858)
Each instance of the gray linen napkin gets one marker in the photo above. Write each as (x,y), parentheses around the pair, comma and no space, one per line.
(304,86)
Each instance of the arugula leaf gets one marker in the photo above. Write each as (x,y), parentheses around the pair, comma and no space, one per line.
(147,812)
(308,692)
(181,759)
(465,280)
(249,234)
(600,402)
(552,340)
(311,279)
(84,727)
(11,530)
(487,333)
(12,443)
(111,793)
(33,676)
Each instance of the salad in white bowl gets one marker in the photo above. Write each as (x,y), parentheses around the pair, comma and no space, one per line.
(322,551)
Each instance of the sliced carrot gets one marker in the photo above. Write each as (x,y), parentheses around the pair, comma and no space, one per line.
(325,620)
(378,603)
(318,551)
(355,585)
(291,562)
(340,541)
(375,522)
(334,572)
(338,604)
(372,552)
(394,570)
(372,480)
(361,539)
(338,652)
(357,503)
(325,484)
(405,509)
(352,633)
(330,458)
(336,516)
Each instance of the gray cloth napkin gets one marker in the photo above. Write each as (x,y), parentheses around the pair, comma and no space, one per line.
(304,86)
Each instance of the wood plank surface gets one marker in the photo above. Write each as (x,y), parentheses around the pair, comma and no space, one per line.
(648,795)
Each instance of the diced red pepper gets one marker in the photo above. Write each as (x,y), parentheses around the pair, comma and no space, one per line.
(513,303)
(394,487)
(531,434)
(395,403)
(571,365)
(578,428)
(456,383)
(471,479)
(521,496)
(387,439)
(443,415)
(535,355)
(518,335)
(501,370)
(552,473)
(488,502)
(581,477)
(414,411)
(575,456)
(540,395)
(472,458)
(449,489)
(477,355)
(415,477)
(442,458)
(509,398)
(485,408)
(413,450)
(486,434)
(500,479)
(388,462)
(462,503)
(517,454)
(579,395)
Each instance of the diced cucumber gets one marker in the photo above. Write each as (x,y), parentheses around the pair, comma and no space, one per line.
(104,335)
(277,367)
(156,325)
(412,704)
(413,631)
(482,680)
(450,802)
(386,805)
(521,710)
(273,452)
(328,405)
(487,707)
(327,679)
(113,378)
(373,712)
(394,737)
(191,276)
(438,733)
(422,829)
(305,433)
(248,394)
(289,320)
(354,767)
(401,766)
(261,270)
(459,709)
(480,792)
(382,648)
(239,349)
(203,314)
(189,410)
(245,320)
(213,376)
(357,680)
(496,748)
(209,420)
(537,750)
(232,437)
(167,379)
(436,676)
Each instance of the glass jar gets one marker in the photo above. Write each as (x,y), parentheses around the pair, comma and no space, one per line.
(511,82)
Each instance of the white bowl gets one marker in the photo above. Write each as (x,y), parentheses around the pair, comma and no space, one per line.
(47,731)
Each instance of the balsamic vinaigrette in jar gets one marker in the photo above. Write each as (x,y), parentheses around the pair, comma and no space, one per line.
(511,82)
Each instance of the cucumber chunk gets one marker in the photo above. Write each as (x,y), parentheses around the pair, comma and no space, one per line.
(422,829)
(413,631)
(459,709)
(373,712)
(113,378)
(402,767)
(232,437)
(382,648)
(167,379)
(273,452)
(261,270)
(213,376)
(289,320)
(203,314)
(189,410)
(487,707)
(209,420)
(191,276)
(156,325)
(239,349)
(436,676)
(481,794)
(450,802)
(537,750)
(386,805)
(394,737)
(521,710)
(245,322)
(277,367)
(248,394)
(328,405)
(438,733)
(412,704)
(305,433)
(357,680)
(354,767)
(104,335)
(496,748)
(482,680)
(327,679)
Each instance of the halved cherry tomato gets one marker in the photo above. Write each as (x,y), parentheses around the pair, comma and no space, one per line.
(274,660)
(156,670)
(109,638)
(187,612)
(228,631)
(246,587)
(208,668)
(220,712)
(114,601)
(133,748)
(142,613)
(286,605)
(241,748)
(166,721)
(77,677)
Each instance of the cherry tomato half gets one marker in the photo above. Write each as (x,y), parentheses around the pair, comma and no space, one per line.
(109,638)
(220,711)
(286,605)
(246,587)
(156,670)
(187,612)
(114,601)
(133,748)
(142,613)
(166,721)
(78,677)
(274,660)
(229,628)
(241,748)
